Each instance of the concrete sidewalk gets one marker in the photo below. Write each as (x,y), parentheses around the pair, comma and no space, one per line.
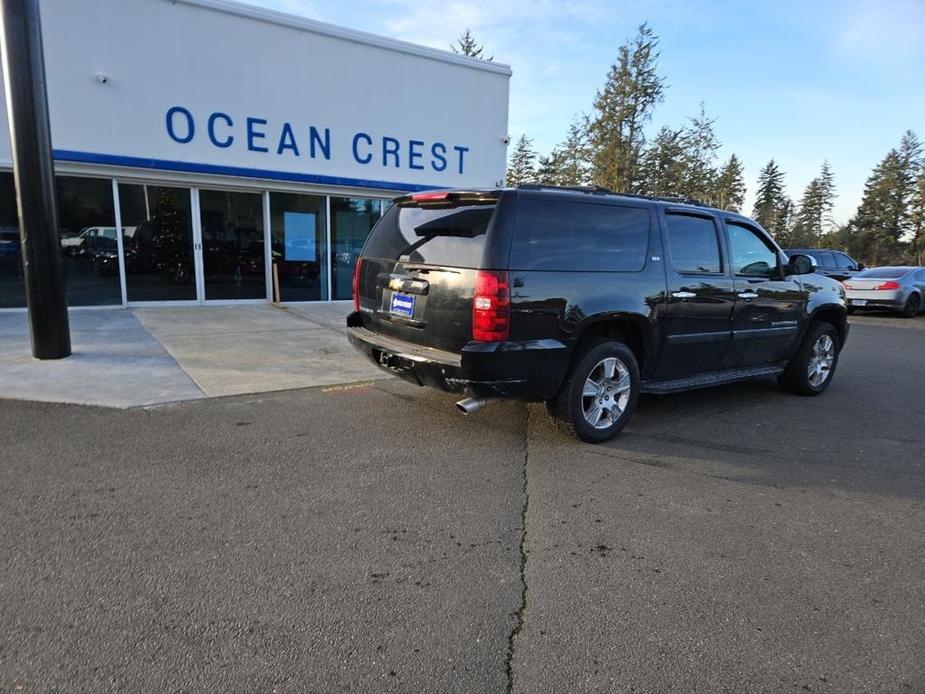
(135,357)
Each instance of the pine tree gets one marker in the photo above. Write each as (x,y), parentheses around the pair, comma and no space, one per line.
(699,154)
(573,155)
(806,228)
(729,190)
(773,208)
(917,221)
(827,191)
(814,216)
(466,45)
(621,110)
(884,227)
(910,154)
(876,228)
(783,229)
(663,163)
(521,168)
(841,238)
(547,170)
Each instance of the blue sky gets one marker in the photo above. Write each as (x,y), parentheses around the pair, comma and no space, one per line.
(797,81)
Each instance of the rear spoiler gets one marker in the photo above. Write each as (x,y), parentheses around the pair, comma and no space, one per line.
(447,198)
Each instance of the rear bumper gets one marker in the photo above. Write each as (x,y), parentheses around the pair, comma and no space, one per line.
(892,304)
(527,370)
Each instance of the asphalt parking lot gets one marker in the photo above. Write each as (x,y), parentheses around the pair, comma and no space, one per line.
(367,538)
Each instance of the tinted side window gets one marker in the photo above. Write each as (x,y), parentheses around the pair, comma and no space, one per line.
(750,254)
(826,259)
(693,243)
(578,236)
(843,262)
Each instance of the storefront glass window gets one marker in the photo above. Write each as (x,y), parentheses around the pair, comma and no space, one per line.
(299,236)
(158,242)
(232,245)
(12,290)
(89,247)
(351,221)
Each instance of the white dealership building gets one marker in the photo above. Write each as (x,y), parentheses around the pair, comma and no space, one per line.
(233,145)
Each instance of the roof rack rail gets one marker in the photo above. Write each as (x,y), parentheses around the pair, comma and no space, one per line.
(599,190)
(679,199)
(592,190)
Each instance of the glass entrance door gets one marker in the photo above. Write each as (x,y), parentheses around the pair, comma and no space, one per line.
(157,234)
(300,246)
(232,247)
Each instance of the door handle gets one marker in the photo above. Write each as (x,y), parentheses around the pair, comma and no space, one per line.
(748,296)
(683,295)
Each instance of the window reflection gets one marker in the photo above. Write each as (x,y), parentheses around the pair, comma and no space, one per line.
(351,221)
(750,254)
(158,249)
(89,246)
(693,244)
(158,242)
(299,239)
(12,288)
(232,244)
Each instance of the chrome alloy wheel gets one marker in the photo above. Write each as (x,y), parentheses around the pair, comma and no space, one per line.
(606,393)
(820,361)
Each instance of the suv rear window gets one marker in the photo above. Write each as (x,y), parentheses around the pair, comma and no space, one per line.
(576,236)
(453,236)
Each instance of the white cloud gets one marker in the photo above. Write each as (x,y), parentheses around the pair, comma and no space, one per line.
(882,31)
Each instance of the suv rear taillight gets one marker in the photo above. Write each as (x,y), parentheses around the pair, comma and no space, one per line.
(356,284)
(491,306)
(887,285)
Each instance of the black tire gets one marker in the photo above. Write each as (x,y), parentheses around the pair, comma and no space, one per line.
(796,378)
(912,306)
(568,408)
(851,310)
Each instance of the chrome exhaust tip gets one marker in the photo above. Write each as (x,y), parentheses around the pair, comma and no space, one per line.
(470,405)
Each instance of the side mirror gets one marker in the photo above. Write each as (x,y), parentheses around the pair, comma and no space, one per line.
(800,264)
(861,266)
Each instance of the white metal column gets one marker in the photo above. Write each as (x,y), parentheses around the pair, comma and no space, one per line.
(197,246)
(330,252)
(267,245)
(120,244)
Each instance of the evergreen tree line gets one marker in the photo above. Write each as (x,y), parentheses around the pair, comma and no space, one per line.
(609,148)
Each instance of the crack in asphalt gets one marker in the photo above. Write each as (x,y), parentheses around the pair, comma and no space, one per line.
(519,621)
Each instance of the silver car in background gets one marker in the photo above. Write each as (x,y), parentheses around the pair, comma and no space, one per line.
(900,289)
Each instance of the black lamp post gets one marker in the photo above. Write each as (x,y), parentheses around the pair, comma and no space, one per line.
(33,171)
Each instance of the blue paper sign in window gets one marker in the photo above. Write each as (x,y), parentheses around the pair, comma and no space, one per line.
(299,232)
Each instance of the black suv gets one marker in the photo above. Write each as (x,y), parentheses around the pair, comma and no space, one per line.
(584,299)
(835,264)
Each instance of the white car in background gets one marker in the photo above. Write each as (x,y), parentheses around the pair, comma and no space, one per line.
(72,245)
(900,289)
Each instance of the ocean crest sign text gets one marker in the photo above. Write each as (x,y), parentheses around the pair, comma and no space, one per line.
(223,131)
